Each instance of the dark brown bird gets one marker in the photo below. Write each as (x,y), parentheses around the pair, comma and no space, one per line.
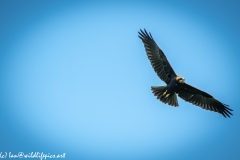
(176,84)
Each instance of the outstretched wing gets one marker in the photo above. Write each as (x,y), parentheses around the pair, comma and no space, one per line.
(203,99)
(157,58)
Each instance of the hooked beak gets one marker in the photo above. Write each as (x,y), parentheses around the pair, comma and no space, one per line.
(182,80)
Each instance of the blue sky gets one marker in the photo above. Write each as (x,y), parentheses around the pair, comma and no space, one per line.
(75,79)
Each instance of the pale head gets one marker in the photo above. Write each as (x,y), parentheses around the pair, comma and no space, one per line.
(180,79)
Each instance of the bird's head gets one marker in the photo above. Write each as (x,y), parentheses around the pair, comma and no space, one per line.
(180,79)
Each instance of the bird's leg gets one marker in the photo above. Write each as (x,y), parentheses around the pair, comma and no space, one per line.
(165,93)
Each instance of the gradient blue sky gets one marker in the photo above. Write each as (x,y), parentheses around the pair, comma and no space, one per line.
(75,78)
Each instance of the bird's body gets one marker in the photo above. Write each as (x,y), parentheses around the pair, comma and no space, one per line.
(175,85)
(167,94)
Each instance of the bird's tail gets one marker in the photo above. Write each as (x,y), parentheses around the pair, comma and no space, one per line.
(160,92)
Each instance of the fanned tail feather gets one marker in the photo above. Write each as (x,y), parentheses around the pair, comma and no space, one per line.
(158,91)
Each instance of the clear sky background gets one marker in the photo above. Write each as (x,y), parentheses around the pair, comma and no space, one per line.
(75,78)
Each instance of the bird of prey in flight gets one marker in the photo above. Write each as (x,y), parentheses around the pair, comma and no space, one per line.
(175,85)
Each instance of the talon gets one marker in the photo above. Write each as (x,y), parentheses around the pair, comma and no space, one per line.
(164,92)
(167,95)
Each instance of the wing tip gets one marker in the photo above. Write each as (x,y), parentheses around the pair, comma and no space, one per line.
(143,34)
(226,112)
